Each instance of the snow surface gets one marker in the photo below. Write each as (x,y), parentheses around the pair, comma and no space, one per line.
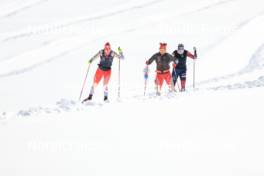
(216,129)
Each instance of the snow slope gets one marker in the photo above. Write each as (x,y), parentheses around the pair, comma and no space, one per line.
(215,129)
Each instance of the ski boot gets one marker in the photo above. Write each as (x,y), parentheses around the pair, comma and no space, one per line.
(88,99)
(106,99)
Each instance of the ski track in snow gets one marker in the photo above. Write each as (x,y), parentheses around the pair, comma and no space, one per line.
(67,105)
(58,26)
(61,106)
(73,47)
(16,9)
(210,6)
(236,29)
(256,63)
(246,84)
(39,30)
(26,69)
(64,50)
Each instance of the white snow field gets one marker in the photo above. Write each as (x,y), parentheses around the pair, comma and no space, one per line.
(214,130)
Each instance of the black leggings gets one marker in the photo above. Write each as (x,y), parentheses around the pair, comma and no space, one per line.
(176,73)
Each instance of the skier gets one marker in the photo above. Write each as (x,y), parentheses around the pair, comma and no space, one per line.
(104,69)
(163,60)
(181,69)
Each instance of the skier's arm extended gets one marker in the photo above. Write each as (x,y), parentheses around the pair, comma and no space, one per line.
(94,57)
(190,55)
(173,59)
(119,55)
(154,57)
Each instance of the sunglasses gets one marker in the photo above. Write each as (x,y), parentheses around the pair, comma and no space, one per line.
(180,48)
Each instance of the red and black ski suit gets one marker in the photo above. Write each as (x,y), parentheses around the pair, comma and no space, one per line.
(104,66)
(163,67)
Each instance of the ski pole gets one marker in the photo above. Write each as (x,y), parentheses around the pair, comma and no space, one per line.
(172,81)
(176,81)
(84,82)
(178,85)
(146,71)
(119,77)
(119,71)
(194,74)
